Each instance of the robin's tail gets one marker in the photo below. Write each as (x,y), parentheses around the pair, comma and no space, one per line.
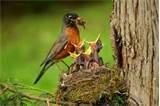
(44,69)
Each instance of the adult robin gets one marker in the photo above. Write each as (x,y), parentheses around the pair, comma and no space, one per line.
(69,35)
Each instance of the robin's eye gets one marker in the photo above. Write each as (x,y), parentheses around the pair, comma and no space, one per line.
(70,16)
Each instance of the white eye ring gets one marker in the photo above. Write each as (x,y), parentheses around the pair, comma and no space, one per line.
(69,16)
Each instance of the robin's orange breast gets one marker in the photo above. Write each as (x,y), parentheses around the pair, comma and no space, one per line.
(73,38)
(73,35)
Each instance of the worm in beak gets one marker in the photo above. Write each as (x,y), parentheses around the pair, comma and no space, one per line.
(80,21)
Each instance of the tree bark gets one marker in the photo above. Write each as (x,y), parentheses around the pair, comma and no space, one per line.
(135,35)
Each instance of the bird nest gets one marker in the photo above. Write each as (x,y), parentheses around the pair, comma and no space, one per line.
(90,85)
(89,81)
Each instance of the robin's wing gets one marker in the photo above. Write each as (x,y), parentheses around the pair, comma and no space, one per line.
(49,61)
(56,48)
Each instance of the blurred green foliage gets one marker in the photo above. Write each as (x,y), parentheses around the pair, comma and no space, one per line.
(29,29)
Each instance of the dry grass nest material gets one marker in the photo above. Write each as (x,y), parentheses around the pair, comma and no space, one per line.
(89,85)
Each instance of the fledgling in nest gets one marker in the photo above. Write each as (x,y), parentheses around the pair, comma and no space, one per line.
(88,58)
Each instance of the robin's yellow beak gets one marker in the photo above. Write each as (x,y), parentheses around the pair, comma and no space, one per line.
(80,21)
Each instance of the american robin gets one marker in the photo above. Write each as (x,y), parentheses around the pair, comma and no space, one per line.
(61,48)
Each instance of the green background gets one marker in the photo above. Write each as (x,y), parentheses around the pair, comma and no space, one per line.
(28,30)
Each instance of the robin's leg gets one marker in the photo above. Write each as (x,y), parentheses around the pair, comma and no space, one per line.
(65,64)
(101,61)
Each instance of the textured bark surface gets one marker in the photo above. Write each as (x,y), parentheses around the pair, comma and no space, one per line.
(135,36)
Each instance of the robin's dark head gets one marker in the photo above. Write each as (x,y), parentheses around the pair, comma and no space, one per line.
(72,19)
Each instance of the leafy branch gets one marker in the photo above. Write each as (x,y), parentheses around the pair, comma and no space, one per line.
(10,93)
